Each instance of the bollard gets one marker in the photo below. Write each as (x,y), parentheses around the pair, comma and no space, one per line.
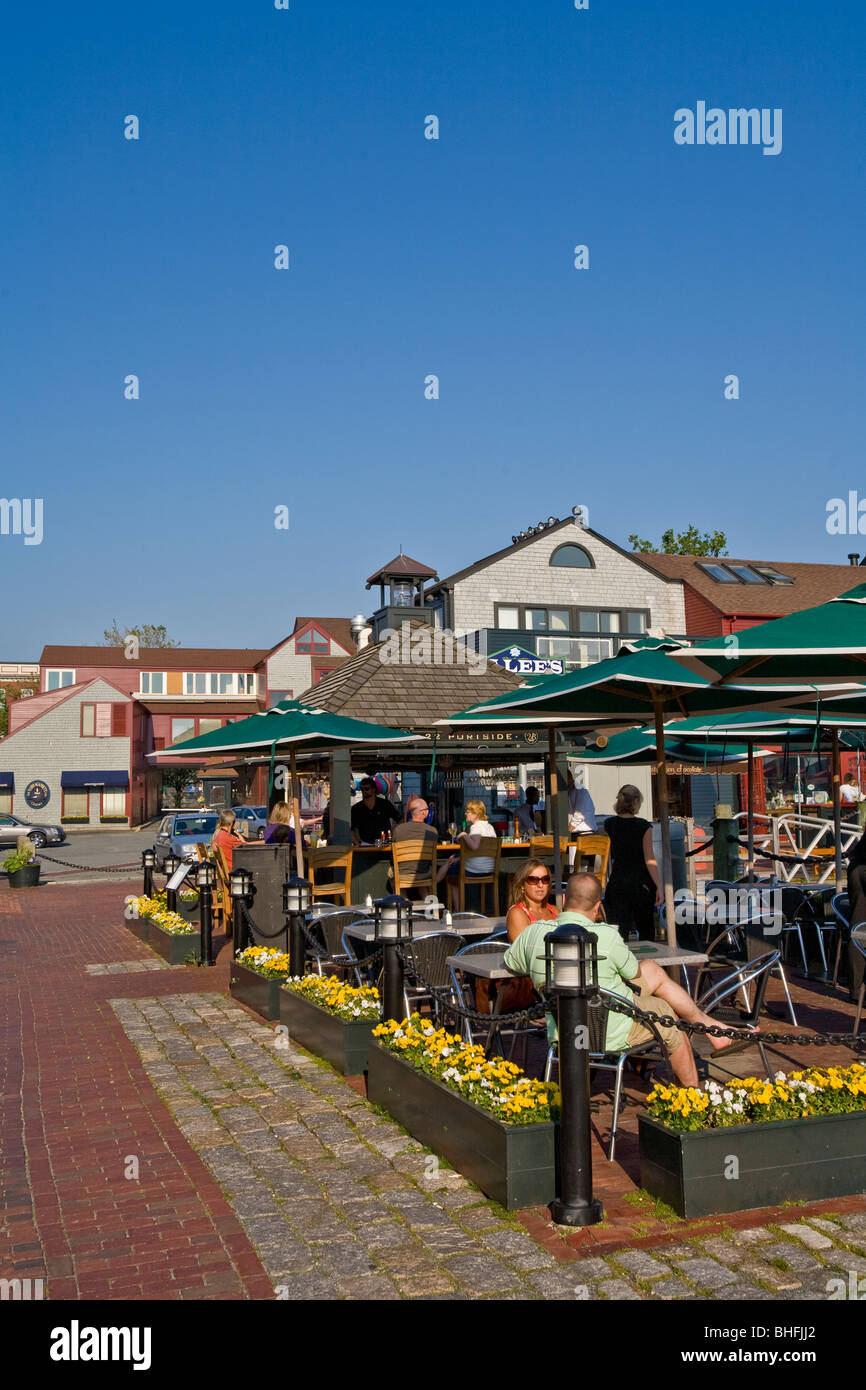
(242,890)
(148,861)
(297,895)
(726,851)
(204,882)
(170,865)
(571,975)
(393,926)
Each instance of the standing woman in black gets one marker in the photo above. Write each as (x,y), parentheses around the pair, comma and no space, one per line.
(634,888)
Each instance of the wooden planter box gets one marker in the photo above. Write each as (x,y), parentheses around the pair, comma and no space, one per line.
(513,1164)
(781,1161)
(345,1044)
(139,926)
(255,990)
(174,949)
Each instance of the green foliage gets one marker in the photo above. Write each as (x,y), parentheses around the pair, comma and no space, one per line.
(20,858)
(176,778)
(148,634)
(688,542)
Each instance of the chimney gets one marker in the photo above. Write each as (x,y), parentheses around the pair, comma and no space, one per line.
(853,559)
(360,631)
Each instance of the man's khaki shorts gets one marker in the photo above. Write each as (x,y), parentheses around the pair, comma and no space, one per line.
(648,1004)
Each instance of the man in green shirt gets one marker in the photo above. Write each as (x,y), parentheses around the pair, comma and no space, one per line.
(582,900)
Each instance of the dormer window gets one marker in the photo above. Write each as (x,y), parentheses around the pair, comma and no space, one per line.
(572,557)
(313,642)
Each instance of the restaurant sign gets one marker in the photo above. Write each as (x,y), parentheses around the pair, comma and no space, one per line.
(524,663)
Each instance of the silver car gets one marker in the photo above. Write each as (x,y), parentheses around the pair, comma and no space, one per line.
(11,828)
(255,819)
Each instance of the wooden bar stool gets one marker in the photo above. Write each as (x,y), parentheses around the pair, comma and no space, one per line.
(490,849)
(330,858)
(596,848)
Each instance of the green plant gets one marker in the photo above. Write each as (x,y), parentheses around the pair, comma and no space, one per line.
(20,858)
(752,1100)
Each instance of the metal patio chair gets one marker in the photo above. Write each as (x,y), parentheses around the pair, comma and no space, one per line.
(429,956)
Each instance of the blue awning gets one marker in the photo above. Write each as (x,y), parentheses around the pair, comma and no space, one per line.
(95,779)
(7,781)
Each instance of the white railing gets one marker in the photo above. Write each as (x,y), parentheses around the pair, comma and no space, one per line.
(798,835)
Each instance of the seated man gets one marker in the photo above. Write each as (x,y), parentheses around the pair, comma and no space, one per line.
(658,993)
(416,828)
(528,816)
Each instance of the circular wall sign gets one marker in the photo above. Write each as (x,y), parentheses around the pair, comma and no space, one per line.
(37,795)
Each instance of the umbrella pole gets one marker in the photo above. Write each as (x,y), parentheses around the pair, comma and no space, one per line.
(837,812)
(554,816)
(664,820)
(296,812)
(750,871)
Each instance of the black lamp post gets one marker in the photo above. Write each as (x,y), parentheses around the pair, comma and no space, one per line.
(571,975)
(241,888)
(170,864)
(204,877)
(297,896)
(393,924)
(148,862)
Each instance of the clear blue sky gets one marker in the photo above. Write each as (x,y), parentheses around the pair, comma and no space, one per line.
(409,257)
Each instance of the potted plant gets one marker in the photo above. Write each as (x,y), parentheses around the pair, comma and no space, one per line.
(331,1018)
(23,871)
(255,979)
(756,1143)
(492,1123)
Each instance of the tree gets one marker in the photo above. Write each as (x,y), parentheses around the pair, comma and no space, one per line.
(8,693)
(689,542)
(147,634)
(176,779)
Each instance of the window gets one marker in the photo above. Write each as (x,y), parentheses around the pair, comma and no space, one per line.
(772,575)
(316,643)
(88,721)
(507,617)
(747,575)
(181,729)
(207,726)
(246,684)
(105,719)
(401,597)
(57,680)
(196,683)
(75,803)
(720,574)
(598,621)
(113,803)
(226,683)
(536,619)
(153,683)
(5,802)
(574,652)
(274,697)
(559,620)
(635,621)
(572,557)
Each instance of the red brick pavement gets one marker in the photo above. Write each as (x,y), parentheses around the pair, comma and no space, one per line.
(69,1213)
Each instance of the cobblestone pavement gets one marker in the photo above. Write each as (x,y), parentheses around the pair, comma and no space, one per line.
(340,1203)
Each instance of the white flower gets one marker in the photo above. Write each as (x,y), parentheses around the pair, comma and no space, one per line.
(729,1095)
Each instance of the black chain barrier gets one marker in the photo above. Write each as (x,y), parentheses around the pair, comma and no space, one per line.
(855,1041)
(317,947)
(248,919)
(88,868)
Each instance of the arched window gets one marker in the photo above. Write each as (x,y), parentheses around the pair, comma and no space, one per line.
(572,557)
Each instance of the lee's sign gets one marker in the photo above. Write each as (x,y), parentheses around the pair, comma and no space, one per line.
(523,663)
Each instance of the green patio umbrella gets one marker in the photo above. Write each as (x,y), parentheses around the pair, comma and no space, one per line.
(291,725)
(642,683)
(638,746)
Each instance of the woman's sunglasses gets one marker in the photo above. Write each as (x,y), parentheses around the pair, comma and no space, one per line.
(537,878)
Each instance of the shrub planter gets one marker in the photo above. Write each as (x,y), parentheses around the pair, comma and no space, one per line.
(139,926)
(189,911)
(25,877)
(174,949)
(345,1043)
(513,1164)
(780,1161)
(256,991)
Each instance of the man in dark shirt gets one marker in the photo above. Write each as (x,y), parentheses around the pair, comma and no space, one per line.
(372,816)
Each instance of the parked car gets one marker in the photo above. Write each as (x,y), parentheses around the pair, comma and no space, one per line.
(38,835)
(255,819)
(180,831)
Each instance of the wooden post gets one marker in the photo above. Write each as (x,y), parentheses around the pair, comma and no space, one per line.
(750,795)
(296,812)
(666,866)
(837,812)
(554,816)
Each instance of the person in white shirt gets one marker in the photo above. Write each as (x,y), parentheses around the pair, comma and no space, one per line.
(849,792)
(478,828)
(581,820)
